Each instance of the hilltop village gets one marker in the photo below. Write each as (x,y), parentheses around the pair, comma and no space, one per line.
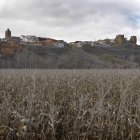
(12,44)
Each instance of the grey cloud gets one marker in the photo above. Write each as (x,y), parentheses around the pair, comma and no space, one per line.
(72,11)
(85,18)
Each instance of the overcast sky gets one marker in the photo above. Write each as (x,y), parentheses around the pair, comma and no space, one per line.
(71,19)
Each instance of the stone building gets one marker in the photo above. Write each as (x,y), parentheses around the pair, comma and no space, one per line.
(133,40)
(120,39)
(7,34)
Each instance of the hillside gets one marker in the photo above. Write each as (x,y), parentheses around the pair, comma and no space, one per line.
(124,56)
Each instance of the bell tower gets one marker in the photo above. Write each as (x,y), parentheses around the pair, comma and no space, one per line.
(8,33)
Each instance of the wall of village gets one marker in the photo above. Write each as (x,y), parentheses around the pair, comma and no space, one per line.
(10,48)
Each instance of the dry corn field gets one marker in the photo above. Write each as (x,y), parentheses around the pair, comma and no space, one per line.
(69,104)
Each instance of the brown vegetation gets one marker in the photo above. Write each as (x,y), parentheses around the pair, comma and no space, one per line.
(70,105)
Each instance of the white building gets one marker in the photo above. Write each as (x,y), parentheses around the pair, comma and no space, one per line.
(79,44)
(89,43)
(84,43)
(60,44)
(29,38)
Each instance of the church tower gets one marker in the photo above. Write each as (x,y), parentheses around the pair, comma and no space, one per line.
(8,33)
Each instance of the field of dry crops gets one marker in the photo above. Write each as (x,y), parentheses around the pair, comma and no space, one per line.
(69,104)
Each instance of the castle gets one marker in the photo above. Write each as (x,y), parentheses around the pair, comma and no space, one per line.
(120,39)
